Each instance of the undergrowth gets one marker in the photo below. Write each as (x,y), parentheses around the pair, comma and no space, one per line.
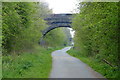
(28,65)
(106,70)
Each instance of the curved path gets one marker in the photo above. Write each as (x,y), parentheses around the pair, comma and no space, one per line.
(66,66)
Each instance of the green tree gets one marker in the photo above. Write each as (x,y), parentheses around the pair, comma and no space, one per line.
(97,30)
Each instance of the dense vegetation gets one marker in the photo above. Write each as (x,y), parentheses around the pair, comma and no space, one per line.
(0,40)
(20,30)
(35,64)
(22,23)
(97,34)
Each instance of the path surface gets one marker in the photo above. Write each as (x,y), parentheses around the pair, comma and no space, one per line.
(66,66)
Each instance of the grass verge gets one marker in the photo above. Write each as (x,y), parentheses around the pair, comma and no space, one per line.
(99,66)
(0,66)
(36,64)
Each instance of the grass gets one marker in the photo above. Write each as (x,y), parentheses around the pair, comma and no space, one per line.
(99,66)
(28,65)
(0,66)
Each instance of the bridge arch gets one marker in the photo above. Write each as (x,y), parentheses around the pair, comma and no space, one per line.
(56,21)
(47,30)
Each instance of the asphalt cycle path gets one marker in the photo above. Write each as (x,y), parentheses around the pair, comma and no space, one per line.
(66,66)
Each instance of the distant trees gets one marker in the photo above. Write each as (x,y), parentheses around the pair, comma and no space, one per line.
(57,37)
(97,30)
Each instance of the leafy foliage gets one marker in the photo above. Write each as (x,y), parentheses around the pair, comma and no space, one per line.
(36,64)
(97,31)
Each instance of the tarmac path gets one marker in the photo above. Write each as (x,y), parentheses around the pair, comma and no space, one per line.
(66,66)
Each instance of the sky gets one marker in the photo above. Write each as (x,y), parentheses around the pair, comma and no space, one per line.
(72,32)
(62,6)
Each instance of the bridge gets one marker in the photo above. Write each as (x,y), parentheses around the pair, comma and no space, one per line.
(56,21)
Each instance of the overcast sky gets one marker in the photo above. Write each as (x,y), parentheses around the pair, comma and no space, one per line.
(62,6)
